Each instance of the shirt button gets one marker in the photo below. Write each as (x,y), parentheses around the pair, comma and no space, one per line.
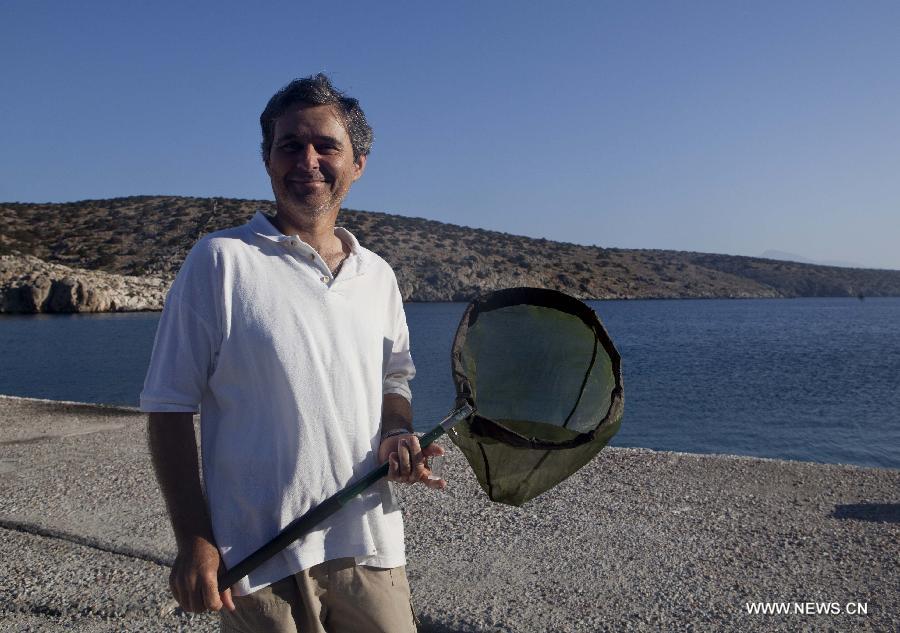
(325,280)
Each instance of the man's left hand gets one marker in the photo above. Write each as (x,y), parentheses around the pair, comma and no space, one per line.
(407,462)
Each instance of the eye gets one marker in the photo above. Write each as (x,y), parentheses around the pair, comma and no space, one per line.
(327,148)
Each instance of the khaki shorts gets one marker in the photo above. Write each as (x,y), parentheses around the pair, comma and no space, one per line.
(333,597)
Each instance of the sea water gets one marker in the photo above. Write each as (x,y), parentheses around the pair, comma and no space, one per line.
(809,379)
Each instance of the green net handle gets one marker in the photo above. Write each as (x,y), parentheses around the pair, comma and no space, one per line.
(304,524)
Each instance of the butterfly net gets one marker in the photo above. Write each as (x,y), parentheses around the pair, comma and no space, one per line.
(546,383)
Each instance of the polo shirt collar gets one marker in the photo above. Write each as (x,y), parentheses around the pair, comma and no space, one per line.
(347,238)
(262,226)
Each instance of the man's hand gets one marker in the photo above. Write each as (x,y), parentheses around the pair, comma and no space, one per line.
(194,578)
(173,448)
(408,462)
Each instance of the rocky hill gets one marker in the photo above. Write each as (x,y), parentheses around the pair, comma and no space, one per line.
(126,250)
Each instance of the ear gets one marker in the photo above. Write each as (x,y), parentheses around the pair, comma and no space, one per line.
(360,165)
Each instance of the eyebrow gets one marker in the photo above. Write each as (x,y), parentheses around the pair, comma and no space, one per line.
(320,138)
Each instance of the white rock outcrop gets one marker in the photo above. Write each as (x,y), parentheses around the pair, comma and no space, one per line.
(30,285)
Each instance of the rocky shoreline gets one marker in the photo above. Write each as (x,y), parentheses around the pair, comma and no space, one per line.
(637,540)
(29,285)
(121,254)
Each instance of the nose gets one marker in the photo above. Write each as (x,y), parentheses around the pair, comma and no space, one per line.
(308,158)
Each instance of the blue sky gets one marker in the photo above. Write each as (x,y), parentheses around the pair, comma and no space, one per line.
(728,127)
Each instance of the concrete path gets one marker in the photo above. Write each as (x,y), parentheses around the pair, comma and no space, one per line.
(637,540)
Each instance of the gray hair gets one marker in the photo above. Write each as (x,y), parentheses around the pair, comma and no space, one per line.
(314,91)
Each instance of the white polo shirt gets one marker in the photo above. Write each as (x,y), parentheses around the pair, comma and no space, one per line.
(288,366)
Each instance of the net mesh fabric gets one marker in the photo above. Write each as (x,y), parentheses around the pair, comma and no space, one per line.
(546,382)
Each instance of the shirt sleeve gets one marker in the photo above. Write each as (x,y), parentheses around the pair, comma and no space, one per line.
(186,345)
(400,368)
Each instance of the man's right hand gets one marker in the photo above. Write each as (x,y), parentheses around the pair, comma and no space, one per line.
(194,578)
(173,448)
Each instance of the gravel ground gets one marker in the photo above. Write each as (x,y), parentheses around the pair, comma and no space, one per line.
(636,540)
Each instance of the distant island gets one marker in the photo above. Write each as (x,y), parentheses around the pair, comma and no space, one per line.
(122,254)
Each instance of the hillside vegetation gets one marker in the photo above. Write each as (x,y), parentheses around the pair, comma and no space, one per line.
(149,236)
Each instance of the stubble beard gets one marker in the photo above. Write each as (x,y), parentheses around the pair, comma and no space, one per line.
(305,214)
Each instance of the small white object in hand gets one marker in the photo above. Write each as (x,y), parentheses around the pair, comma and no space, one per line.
(436,464)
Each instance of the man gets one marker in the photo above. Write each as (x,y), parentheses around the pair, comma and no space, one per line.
(291,338)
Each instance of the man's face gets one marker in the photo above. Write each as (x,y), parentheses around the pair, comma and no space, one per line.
(311,163)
